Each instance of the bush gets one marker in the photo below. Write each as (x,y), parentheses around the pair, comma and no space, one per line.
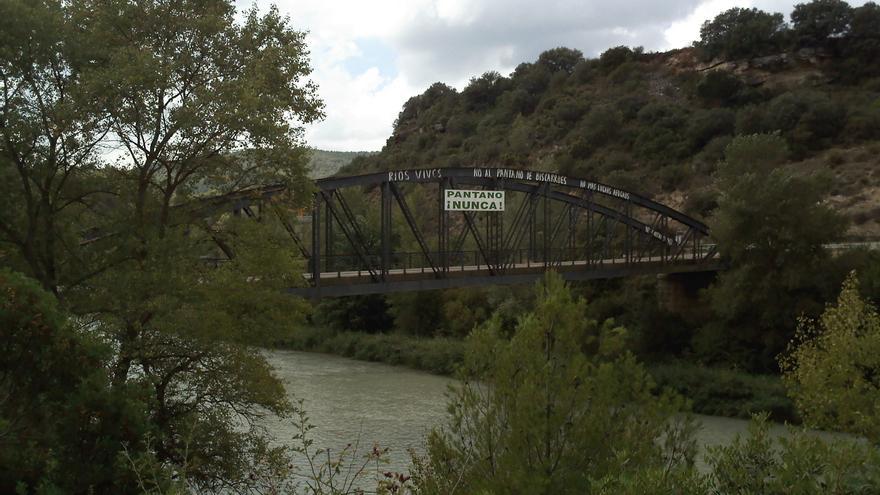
(548,411)
(719,87)
(613,58)
(742,33)
(820,22)
(809,120)
(599,127)
(63,427)
(724,392)
(561,59)
(801,463)
(706,125)
(481,92)
(435,355)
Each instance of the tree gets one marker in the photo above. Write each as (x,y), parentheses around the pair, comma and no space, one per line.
(561,59)
(770,226)
(61,424)
(553,410)
(820,22)
(187,101)
(613,58)
(832,368)
(801,462)
(481,92)
(720,87)
(50,131)
(862,45)
(742,33)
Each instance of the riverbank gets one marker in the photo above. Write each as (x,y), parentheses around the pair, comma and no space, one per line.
(712,391)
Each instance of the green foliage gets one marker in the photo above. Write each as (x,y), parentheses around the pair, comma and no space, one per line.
(742,33)
(197,99)
(613,58)
(416,313)
(556,407)
(659,139)
(726,392)
(481,92)
(326,163)
(706,125)
(561,59)
(359,313)
(771,226)
(720,87)
(62,426)
(801,463)
(833,366)
(598,128)
(819,22)
(435,355)
(808,120)
(862,46)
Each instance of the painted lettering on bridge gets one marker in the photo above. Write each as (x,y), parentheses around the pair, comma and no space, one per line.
(660,236)
(415,175)
(526,175)
(602,188)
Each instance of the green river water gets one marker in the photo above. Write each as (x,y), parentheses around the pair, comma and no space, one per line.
(349,400)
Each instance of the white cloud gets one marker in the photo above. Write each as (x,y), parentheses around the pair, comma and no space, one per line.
(686,31)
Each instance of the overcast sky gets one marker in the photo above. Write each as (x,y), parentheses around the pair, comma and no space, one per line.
(370,56)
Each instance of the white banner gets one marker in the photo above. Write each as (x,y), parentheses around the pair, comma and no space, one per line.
(467,200)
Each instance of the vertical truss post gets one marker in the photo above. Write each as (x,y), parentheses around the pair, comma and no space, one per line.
(547,233)
(606,250)
(628,237)
(572,225)
(533,248)
(442,227)
(666,246)
(316,241)
(497,221)
(328,242)
(589,242)
(386,229)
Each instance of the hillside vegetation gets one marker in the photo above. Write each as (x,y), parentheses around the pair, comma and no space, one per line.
(658,123)
(766,129)
(324,163)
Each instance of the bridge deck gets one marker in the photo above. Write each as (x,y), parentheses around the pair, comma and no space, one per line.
(359,282)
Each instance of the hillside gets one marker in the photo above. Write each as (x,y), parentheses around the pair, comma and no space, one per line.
(658,123)
(324,163)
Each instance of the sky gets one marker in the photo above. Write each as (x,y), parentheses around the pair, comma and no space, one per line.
(369,56)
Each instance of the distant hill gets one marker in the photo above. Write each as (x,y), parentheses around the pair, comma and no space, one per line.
(655,123)
(326,163)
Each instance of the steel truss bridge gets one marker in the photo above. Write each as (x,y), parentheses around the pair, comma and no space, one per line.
(580,228)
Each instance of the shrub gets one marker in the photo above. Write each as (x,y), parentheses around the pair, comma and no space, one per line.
(742,33)
(561,59)
(612,58)
(832,366)
(558,405)
(820,22)
(599,127)
(706,125)
(801,463)
(725,392)
(719,87)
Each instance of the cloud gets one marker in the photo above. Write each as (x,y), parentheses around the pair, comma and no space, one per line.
(370,57)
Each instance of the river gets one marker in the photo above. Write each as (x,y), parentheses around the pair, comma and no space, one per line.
(395,406)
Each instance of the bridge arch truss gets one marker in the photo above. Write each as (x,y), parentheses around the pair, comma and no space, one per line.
(580,228)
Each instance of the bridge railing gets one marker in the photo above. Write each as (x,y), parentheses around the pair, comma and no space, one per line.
(412,262)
